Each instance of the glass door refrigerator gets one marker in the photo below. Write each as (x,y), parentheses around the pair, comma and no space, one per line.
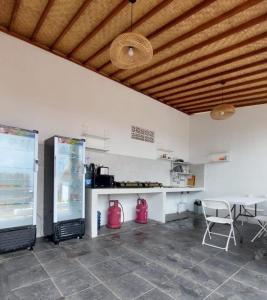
(64,201)
(18,188)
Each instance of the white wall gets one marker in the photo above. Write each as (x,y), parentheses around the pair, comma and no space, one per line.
(41,91)
(45,92)
(245,137)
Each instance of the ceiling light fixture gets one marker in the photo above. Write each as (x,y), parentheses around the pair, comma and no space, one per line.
(130,50)
(222,111)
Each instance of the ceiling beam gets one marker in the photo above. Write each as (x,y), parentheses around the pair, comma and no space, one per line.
(264,79)
(218,101)
(42,19)
(246,102)
(205,58)
(138,23)
(212,76)
(229,79)
(169,25)
(73,20)
(198,46)
(100,26)
(14,14)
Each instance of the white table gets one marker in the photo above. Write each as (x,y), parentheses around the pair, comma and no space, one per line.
(243,203)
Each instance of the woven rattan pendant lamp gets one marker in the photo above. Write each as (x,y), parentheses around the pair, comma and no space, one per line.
(130,50)
(222,111)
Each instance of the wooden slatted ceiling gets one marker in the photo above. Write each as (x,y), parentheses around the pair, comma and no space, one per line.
(197,44)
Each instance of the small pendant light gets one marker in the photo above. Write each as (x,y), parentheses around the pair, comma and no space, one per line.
(130,50)
(222,111)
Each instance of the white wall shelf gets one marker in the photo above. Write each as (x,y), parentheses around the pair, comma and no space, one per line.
(219,157)
(97,149)
(164,150)
(94,136)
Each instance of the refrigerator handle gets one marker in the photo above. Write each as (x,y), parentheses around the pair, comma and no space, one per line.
(36,165)
(84,168)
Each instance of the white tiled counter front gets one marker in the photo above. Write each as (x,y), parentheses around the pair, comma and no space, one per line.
(97,199)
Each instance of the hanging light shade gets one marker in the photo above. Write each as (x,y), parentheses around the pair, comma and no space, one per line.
(222,111)
(130,50)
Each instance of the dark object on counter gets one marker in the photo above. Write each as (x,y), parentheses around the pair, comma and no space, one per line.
(98,219)
(104,181)
(197,207)
(90,176)
(102,170)
(137,184)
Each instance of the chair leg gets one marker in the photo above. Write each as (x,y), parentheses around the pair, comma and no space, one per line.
(233,231)
(205,234)
(260,232)
(228,239)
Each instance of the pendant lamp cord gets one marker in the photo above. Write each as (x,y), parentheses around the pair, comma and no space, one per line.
(132,17)
(222,83)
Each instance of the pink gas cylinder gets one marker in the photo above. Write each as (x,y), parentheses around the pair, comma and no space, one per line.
(114,215)
(141,211)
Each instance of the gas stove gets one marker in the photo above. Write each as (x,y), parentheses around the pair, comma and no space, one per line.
(137,184)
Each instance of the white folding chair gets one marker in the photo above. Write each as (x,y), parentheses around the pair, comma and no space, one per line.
(218,205)
(262,221)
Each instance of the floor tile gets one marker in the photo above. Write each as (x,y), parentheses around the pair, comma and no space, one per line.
(60,266)
(251,278)
(216,296)
(108,270)
(133,261)
(236,258)
(155,273)
(97,293)
(43,244)
(93,258)
(44,290)
(208,277)
(238,291)
(183,288)
(20,271)
(154,294)
(177,262)
(128,286)
(258,265)
(223,267)
(74,282)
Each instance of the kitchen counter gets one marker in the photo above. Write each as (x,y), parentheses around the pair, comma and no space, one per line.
(157,198)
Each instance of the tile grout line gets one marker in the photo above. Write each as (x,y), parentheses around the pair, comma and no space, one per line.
(143,293)
(214,291)
(154,286)
(27,285)
(99,280)
(51,278)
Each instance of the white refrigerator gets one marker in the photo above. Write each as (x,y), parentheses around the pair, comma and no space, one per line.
(18,187)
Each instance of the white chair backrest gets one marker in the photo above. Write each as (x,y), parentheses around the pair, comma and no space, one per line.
(216,205)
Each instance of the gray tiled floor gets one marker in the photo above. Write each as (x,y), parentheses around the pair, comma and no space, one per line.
(151,262)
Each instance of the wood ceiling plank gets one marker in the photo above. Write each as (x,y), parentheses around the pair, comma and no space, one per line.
(246,102)
(103,23)
(212,76)
(226,79)
(138,23)
(42,19)
(14,14)
(257,80)
(76,16)
(168,26)
(207,57)
(202,44)
(196,104)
